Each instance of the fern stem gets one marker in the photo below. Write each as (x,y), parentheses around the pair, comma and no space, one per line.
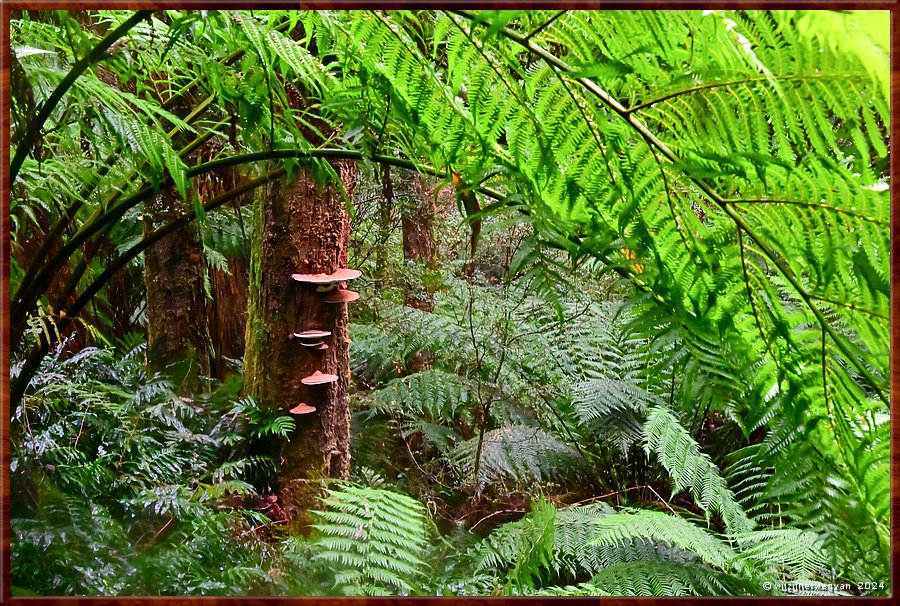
(678,227)
(750,299)
(830,207)
(862,310)
(694,89)
(545,24)
(34,127)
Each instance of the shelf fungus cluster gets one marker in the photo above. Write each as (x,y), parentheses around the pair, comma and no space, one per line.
(302,409)
(333,287)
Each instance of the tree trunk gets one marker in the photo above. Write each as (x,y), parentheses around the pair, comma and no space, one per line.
(228,313)
(303,228)
(418,237)
(385,220)
(177,328)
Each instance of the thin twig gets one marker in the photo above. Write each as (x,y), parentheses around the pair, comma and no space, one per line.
(496,513)
(545,25)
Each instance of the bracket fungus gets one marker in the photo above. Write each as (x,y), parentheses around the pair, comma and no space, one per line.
(342,296)
(318,378)
(311,335)
(302,409)
(312,343)
(327,282)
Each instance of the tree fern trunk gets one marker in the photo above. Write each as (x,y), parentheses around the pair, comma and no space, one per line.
(228,313)
(418,235)
(177,329)
(303,228)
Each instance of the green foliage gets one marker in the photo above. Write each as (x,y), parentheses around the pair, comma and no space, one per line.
(577,551)
(729,167)
(657,579)
(519,453)
(374,539)
(793,552)
(691,469)
(119,484)
(658,526)
(486,348)
(759,235)
(642,552)
(522,549)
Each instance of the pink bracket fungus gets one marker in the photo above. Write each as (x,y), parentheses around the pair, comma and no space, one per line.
(311,335)
(327,282)
(342,296)
(318,378)
(302,409)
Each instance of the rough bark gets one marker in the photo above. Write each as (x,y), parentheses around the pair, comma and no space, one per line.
(177,329)
(418,237)
(304,229)
(228,313)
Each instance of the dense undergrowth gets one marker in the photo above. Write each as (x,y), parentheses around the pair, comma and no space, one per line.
(663,373)
(548,444)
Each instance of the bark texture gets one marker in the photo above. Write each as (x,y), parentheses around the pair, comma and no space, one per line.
(228,313)
(418,236)
(304,228)
(177,328)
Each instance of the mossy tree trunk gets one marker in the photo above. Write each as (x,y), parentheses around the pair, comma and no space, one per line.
(303,227)
(177,328)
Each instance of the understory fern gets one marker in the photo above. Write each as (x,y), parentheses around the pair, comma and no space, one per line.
(690,469)
(123,487)
(643,552)
(518,453)
(523,549)
(375,540)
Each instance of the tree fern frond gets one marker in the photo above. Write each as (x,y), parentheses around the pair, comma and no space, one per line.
(661,578)
(577,552)
(792,552)
(515,452)
(375,540)
(434,394)
(659,526)
(692,470)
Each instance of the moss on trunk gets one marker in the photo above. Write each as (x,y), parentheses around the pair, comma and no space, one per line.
(303,227)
